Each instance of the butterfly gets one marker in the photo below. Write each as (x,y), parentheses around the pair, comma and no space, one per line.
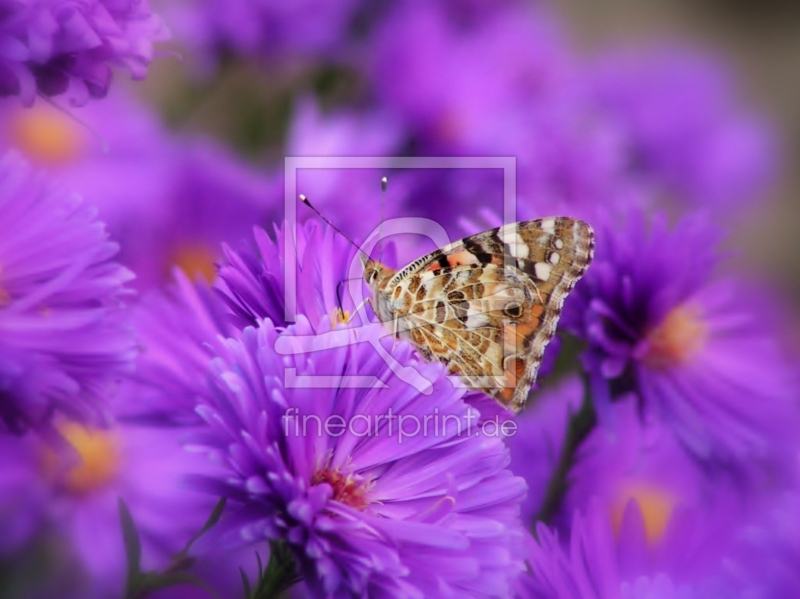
(487,305)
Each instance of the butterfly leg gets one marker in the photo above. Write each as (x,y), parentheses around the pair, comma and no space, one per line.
(394,330)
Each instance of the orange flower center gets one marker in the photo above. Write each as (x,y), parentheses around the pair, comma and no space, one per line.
(340,316)
(655,504)
(99,458)
(46,136)
(346,489)
(197,261)
(679,336)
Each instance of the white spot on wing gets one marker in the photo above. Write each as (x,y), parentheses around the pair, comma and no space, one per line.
(542,270)
(549,225)
(554,258)
(559,243)
(511,237)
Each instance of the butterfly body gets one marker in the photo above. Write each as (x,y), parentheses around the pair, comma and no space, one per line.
(487,305)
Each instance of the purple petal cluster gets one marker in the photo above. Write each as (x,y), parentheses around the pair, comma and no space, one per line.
(685,346)
(268,30)
(69,497)
(55,47)
(605,563)
(252,281)
(168,200)
(365,509)
(63,334)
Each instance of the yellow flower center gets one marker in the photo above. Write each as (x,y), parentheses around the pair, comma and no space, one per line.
(197,261)
(681,334)
(99,458)
(47,136)
(346,489)
(340,316)
(655,504)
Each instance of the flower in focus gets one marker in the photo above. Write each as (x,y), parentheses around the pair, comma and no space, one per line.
(682,128)
(53,48)
(695,352)
(63,339)
(252,281)
(75,495)
(368,509)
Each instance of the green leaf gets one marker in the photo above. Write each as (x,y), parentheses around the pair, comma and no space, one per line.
(280,574)
(133,546)
(216,514)
(152,582)
(246,584)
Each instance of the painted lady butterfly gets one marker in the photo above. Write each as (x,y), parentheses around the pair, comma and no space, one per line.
(487,305)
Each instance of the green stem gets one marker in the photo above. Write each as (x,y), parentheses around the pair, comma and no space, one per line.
(281,573)
(580,424)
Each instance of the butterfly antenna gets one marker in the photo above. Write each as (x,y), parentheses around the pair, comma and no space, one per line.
(384,185)
(305,200)
(103,143)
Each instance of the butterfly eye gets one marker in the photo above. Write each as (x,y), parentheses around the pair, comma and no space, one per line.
(373,275)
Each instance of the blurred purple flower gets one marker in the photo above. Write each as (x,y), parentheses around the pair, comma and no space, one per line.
(179,330)
(75,494)
(342,193)
(603,561)
(683,129)
(521,96)
(169,200)
(536,446)
(54,47)
(764,560)
(62,332)
(267,30)
(694,352)
(364,510)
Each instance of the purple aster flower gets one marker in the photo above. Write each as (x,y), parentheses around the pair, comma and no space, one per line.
(605,561)
(63,336)
(252,281)
(54,47)
(366,511)
(168,200)
(75,496)
(694,352)
(179,330)
(682,127)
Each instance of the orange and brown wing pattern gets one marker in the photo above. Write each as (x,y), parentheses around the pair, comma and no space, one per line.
(489,304)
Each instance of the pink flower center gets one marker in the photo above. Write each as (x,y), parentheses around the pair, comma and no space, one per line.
(346,489)
(681,334)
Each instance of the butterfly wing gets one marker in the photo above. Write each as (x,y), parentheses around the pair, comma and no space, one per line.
(488,305)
